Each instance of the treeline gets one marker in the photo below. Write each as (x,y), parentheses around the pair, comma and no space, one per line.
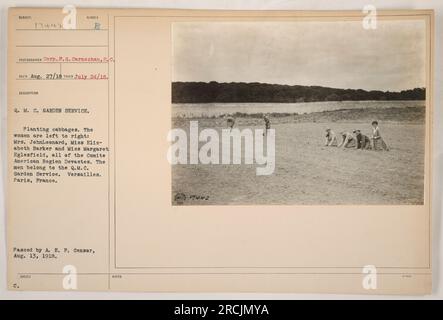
(204,92)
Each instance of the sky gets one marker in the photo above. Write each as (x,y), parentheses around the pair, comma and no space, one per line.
(338,54)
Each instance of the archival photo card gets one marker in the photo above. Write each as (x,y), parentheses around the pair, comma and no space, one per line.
(214,151)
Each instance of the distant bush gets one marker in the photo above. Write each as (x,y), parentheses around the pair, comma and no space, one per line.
(203,92)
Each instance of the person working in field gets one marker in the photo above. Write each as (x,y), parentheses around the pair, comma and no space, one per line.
(347,140)
(331,138)
(376,139)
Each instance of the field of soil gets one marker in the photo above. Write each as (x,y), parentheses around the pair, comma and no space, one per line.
(309,173)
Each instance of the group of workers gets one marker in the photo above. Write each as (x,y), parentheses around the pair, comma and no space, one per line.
(356,139)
